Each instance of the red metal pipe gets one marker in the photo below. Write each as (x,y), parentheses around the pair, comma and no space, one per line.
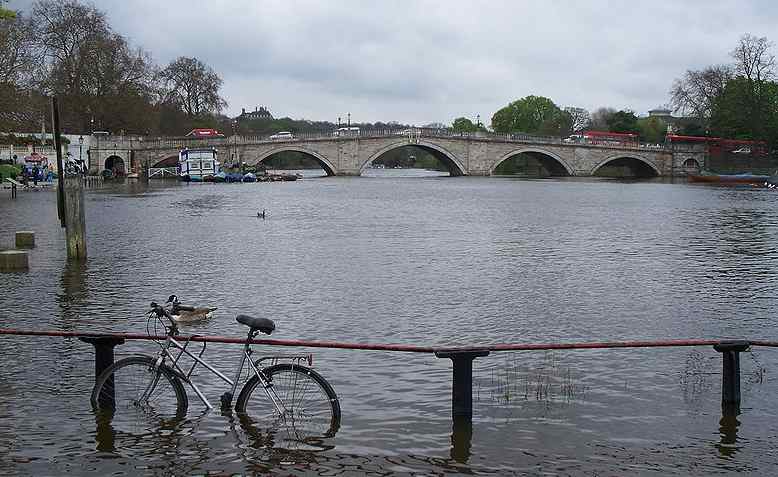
(391,347)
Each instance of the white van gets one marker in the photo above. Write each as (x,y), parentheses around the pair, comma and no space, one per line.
(282,135)
(349,131)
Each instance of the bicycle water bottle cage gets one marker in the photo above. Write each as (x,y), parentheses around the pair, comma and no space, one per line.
(262,324)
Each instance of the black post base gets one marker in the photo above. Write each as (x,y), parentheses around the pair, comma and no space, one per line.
(462,385)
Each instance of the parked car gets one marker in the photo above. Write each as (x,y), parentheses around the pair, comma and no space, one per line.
(282,135)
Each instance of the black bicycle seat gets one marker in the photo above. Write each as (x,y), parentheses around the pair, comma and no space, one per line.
(262,324)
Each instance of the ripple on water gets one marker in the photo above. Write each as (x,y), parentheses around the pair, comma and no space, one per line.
(455,261)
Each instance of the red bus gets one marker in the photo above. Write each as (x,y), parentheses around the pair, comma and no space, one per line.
(718,145)
(608,138)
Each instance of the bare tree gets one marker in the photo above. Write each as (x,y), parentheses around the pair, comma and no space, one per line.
(753,59)
(66,29)
(17,50)
(579,118)
(695,93)
(599,118)
(756,64)
(192,86)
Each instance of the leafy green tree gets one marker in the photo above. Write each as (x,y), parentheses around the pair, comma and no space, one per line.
(652,129)
(463,125)
(6,14)
(732,117)
(623,121)
(533,115)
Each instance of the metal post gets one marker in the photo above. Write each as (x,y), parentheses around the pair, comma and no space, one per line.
(103,359)
(462,385)
(730,384)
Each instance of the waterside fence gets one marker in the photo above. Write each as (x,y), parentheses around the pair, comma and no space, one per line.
(461,357)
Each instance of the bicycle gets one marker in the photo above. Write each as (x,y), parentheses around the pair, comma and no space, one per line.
(141,392)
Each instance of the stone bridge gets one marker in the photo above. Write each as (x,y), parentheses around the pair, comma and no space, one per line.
(476,154)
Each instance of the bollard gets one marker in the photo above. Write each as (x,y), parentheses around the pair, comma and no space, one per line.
(13,191)
(25,239)
(730,383)
(462,385)
(13,261)
(103,359)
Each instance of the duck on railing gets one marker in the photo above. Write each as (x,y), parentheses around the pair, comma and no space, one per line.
(184,314)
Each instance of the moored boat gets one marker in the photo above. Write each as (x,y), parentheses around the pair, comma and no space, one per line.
(745,178)
(196,165)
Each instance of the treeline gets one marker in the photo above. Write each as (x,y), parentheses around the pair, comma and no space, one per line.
(737,100)
(67,48)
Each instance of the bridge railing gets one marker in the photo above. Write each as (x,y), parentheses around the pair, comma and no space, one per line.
(411,133)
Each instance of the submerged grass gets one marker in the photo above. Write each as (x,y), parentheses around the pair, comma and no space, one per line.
(519,380)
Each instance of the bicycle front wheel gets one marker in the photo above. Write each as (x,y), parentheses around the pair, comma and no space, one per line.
(137,396)
(307,406)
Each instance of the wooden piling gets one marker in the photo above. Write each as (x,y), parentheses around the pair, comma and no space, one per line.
(75,228)
(13,261)
(25,239)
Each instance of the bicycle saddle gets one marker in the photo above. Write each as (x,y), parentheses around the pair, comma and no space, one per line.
(262,324)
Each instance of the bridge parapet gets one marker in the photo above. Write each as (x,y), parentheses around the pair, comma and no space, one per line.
(463,153)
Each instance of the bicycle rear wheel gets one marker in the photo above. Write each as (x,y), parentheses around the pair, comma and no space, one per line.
(136,397)
(310,405)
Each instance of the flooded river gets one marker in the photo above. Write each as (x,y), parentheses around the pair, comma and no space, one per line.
(433,261)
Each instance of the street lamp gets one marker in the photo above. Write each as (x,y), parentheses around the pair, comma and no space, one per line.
(338,121)
(478,120)
(80,144)
(349,119)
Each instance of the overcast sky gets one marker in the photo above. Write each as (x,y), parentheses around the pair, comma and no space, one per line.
(421,62)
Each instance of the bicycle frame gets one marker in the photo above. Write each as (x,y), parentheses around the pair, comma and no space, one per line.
(171,342)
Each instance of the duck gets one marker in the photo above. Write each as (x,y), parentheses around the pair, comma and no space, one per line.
(261,215)
(185,314)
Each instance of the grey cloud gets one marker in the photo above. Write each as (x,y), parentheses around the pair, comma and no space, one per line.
(424,61)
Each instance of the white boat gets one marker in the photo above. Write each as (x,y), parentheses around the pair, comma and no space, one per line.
(197,164)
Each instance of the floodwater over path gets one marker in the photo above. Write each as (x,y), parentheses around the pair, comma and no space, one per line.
(433,261)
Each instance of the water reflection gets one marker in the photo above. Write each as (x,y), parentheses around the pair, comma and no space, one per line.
(728,428)
(461,439)
(73,292)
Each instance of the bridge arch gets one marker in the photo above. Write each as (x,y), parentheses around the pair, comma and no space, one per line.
(453,164)
(323,161)
(116,164)
(522,150)
(170,160)
(630,157)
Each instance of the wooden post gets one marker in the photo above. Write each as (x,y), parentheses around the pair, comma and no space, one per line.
(75,228)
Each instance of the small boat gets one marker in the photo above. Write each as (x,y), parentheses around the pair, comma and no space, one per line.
(233,177)
(249,177)
(220,177)
(745,178)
